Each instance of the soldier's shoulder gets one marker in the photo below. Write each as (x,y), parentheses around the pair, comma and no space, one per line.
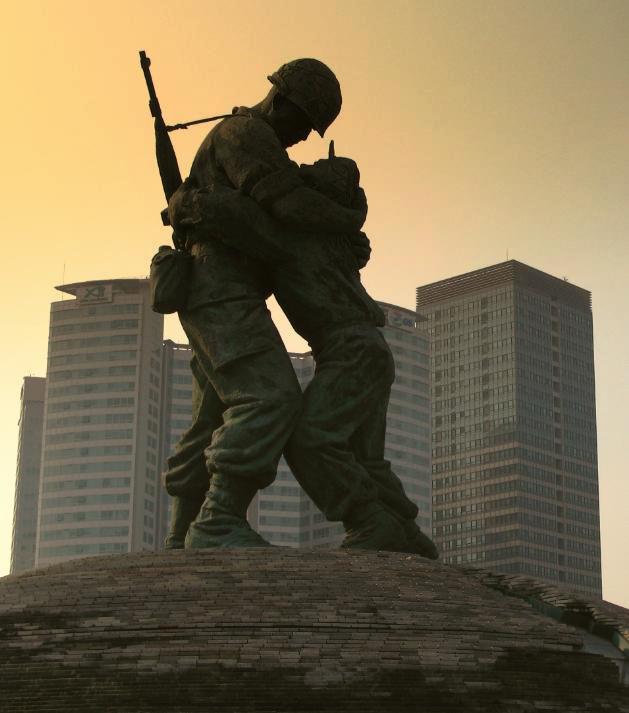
(243,124)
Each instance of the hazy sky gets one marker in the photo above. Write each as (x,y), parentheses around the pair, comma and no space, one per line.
(479,127)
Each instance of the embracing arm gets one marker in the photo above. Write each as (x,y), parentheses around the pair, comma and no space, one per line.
(255,162)
(270,203)
(308,210)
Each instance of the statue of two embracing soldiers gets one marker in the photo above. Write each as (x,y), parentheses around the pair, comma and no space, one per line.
(256,224)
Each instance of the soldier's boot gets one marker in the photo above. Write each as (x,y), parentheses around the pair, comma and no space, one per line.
(418,542)
(184,510)
(398,505)
(222,521)
(374,528)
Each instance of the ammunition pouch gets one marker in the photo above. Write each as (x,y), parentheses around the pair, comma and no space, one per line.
(169,280)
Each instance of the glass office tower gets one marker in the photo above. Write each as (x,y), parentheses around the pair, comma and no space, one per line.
(99,480)
(29,447)
(515,480)
(118,398)
(176,417)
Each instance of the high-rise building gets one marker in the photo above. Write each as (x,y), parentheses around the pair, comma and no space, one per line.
(283,513)
(27,475)
(176,417)
(515,480)
(117,400)
(99,482)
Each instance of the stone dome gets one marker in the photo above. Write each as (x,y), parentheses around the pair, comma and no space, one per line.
(302,630)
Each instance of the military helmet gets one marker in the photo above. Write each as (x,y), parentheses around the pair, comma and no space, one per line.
(313,87)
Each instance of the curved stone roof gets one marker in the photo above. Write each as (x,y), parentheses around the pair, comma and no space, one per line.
(296,630)
(603,619)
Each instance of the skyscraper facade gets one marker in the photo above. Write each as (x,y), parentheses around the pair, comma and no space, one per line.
(99,490)
(515,480)
(29,447)
(175,417)
(284,515)
(117,399)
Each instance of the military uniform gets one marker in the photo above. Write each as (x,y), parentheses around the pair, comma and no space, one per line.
(336,450)
(337,447)
(245,390)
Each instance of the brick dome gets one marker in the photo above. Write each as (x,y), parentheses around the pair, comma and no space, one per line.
(307,630)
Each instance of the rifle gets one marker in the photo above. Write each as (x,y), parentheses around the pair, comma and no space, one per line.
(164,151)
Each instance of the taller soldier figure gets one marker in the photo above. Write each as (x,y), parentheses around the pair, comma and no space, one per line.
(239,358)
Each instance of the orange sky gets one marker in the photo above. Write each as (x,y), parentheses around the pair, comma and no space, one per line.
(479,127)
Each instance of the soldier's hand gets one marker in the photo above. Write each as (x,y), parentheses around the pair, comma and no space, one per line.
(183,211)
(195,213)
(361,248)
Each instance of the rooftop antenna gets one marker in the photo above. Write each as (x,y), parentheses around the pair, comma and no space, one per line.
(507,254)
(63,281)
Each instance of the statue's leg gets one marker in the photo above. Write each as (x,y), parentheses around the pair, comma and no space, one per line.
(262,399)
(368,444)
(352,367)
(187,479)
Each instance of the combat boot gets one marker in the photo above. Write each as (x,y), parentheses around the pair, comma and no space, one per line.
(418,542)
(374,529)
(222,521)
(184,510)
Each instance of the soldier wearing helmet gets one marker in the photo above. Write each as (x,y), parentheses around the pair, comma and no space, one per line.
(313,87)
(371,504)
(246,396)
(336,448)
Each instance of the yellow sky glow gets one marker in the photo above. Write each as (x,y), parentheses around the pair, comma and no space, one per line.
(480,127)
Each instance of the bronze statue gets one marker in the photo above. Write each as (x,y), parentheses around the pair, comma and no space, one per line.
(238,353)
(297,230)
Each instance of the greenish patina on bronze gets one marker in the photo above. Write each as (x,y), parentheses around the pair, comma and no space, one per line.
(257,223)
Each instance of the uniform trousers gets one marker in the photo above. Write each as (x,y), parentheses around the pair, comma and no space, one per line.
(243,410)
(336,450)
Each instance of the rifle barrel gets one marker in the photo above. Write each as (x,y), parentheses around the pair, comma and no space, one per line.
(164,151)
(145,63)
